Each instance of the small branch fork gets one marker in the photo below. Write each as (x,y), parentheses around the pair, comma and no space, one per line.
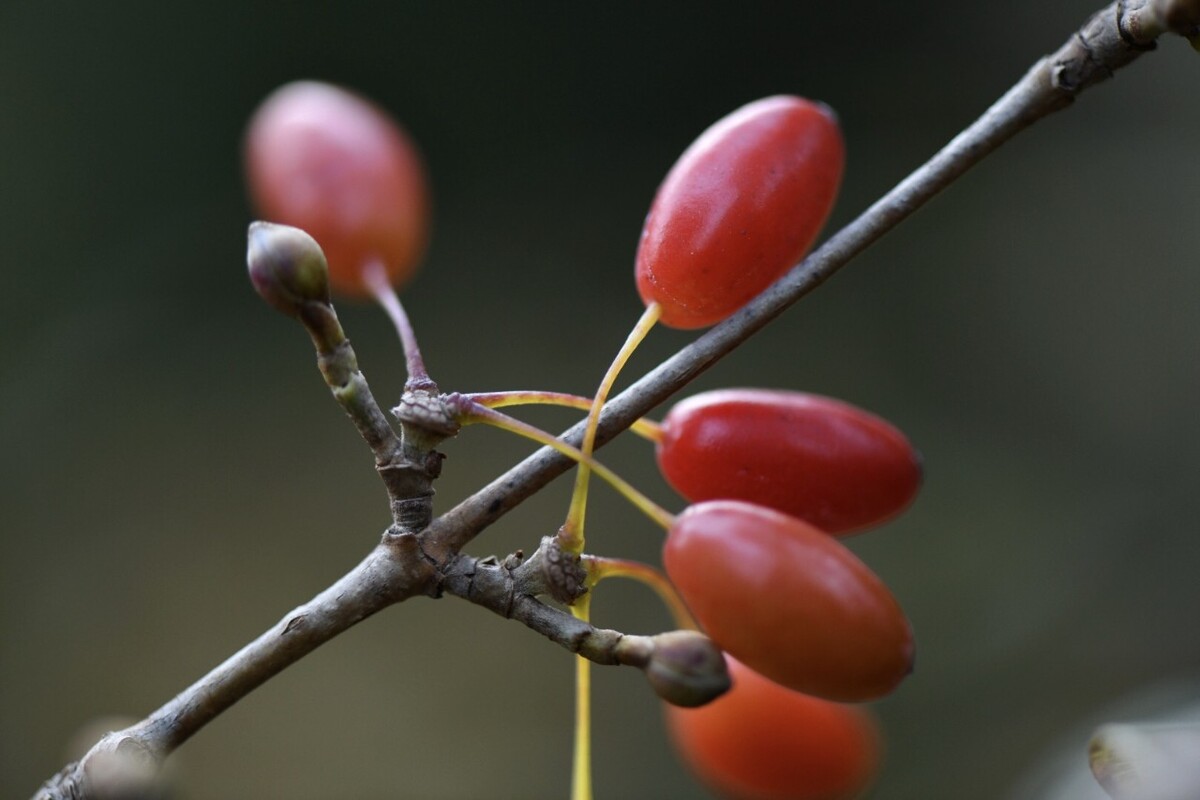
(422,556)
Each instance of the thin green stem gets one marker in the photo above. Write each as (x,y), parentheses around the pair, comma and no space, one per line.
(581,769)
(467,413)
(571,536)
(646,428)
(599,568)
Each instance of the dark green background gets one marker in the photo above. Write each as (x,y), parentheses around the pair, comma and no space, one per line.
(174,476)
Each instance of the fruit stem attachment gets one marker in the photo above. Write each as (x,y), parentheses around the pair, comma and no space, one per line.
(288,269)
(467,412)
(646,428)
(376,279)
(571,535)
(599,568)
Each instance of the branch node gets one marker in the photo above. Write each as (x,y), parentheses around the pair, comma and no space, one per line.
(562,572)
(1132,28)
(426,410)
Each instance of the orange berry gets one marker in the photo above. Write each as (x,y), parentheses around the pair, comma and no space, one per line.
(761,741)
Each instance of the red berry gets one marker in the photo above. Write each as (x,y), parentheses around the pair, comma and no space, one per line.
(788,600)
(822,460)
(327,161)
(739,208)
(761,741)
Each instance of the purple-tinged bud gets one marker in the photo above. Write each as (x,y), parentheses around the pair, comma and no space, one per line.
(686,669)
(287,267)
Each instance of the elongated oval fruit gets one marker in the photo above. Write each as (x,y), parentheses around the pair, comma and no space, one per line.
(788,601)
(761,741)
(822,460)
(327,161)
(741,206)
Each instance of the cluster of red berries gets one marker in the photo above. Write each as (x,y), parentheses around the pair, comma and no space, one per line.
(774,477)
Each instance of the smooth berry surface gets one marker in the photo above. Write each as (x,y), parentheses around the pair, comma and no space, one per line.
(762,741)
(829,463)
(789,601)
(741,205)
(327,161)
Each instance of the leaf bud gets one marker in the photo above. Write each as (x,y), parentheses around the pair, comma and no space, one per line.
(287,267)
(686,669)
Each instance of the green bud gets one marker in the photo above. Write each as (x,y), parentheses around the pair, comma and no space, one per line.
(686,669)
(287,267)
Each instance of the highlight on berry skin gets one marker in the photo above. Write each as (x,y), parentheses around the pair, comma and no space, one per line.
(740,207)
(761,741)
(789,601)
(829,463)
(324,159)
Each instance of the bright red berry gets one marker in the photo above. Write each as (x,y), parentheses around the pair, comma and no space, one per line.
(327,161)
(822,460)
(789,601)
(761,741)
(740,207)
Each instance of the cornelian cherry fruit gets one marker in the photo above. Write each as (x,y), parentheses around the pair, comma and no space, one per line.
(789,601)
(761,741)
(327,161)
(741,206)
(822,460)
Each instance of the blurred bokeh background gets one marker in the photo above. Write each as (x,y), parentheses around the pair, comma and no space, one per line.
(174,477)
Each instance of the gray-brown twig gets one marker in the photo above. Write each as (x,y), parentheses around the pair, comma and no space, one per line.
(408,564)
